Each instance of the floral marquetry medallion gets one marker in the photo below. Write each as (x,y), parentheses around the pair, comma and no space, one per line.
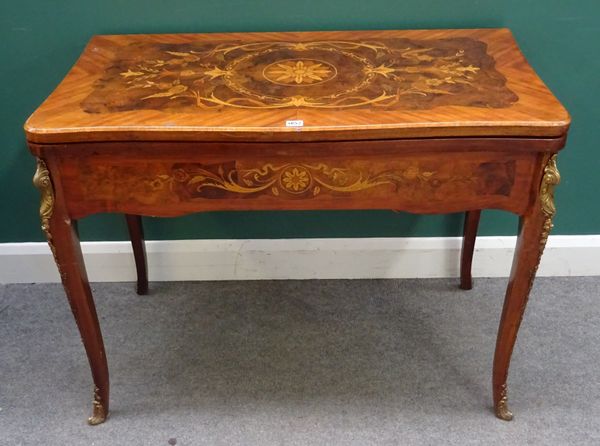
(392,73)
(299,72)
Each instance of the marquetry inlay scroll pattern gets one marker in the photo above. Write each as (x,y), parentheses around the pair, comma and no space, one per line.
(148,183)
(392,73)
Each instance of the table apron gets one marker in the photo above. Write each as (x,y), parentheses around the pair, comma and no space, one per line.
(178,184)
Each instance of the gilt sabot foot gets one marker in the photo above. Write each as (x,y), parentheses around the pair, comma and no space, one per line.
(502,411)
(96,419)
(501,408)
(99,412)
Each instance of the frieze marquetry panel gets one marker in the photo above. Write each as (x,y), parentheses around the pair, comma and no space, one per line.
(350,181)
(387,73)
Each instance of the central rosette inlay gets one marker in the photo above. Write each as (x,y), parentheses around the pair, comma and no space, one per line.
(295,179)
(297,72)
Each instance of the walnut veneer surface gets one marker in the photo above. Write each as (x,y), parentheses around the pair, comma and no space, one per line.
(421,121)
(357,85)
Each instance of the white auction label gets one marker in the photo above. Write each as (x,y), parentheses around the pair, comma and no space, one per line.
(294,123)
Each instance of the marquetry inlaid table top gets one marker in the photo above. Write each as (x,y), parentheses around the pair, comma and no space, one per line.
(340,85)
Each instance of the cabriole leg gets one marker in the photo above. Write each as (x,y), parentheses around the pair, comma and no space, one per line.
(136,234)
(468,246)
(64,243)
(533,233)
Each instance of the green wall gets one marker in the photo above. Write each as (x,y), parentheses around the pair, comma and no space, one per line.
(41,39)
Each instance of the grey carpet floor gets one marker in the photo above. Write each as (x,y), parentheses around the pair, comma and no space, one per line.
(363,362)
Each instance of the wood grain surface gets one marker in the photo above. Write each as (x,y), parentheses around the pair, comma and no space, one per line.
(182,182)
(342,85)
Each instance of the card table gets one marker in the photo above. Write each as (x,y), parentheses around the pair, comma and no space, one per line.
(429,121)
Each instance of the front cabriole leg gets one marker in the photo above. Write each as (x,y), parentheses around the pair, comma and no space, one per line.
(535,226)
(63,239)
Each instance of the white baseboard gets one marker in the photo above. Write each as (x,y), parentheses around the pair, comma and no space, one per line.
(355,258)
